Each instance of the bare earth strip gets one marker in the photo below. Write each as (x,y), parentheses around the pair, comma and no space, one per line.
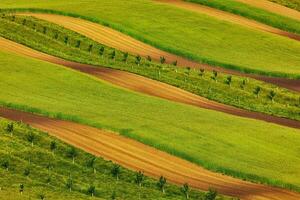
(273,7)
(154,163)
(145,85)
(226,16)
(115,39)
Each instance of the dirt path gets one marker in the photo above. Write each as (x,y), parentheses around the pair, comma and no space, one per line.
(226,16)
(273,7)
(115,39)
(154,163)
(145,85)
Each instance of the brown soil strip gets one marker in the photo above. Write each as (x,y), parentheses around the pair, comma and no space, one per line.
(273,7)
(226,16)
(146,86)
(115,39)
(154,163)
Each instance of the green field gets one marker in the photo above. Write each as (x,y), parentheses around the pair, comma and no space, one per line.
(295,4)
(266,17)
(50,172)
(261,151)
(234,93)
(204,40)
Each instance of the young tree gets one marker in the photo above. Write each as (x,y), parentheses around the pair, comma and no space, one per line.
(72,153)
(10,128)
(161,183)
(188,71)
(162,59)
(91,190)
(5,164)
(243,84)
(91,163)
(101,51)
(31,138)
(125,57)
(90,48)
(42,196)
(211,194)
(53,147)
(272,95)
(44,29)
(149,58)
(24,22)
(34,26)
(175,63)
(26,172)
(257,91)
(66,39)
(138,60)
(215,75)
(69,184)
(56,36)
(201,72)
(139,178)
(186,190)
(78,43)
(229,80)
(115,171)
(113,55)
(21,188)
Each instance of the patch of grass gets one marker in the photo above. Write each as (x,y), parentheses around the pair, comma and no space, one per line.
(232,90)
(244,148)
(49,170)
(295,4)
(251,12)
(204,38)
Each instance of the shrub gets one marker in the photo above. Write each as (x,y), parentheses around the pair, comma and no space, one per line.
(115,171)
(186,190)
(211,194)
(72,153)
(162,59)
(161,183)
(139,178)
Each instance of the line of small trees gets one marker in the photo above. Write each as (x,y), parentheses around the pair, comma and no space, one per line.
(72,153)
(112,55)
(257,90)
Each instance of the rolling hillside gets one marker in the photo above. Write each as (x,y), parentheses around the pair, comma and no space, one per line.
(150,99)
(35,90)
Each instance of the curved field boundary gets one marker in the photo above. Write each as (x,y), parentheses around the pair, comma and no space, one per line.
(154,163)
(145,85)
(226,16)
(117,40)
(273,7)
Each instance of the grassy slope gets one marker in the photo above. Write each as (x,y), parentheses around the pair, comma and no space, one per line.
(209,138)
(17,150)
(204,40)
(200,85)
(251,12)
(295,4)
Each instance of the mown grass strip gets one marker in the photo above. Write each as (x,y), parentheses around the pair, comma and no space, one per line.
(266,17)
